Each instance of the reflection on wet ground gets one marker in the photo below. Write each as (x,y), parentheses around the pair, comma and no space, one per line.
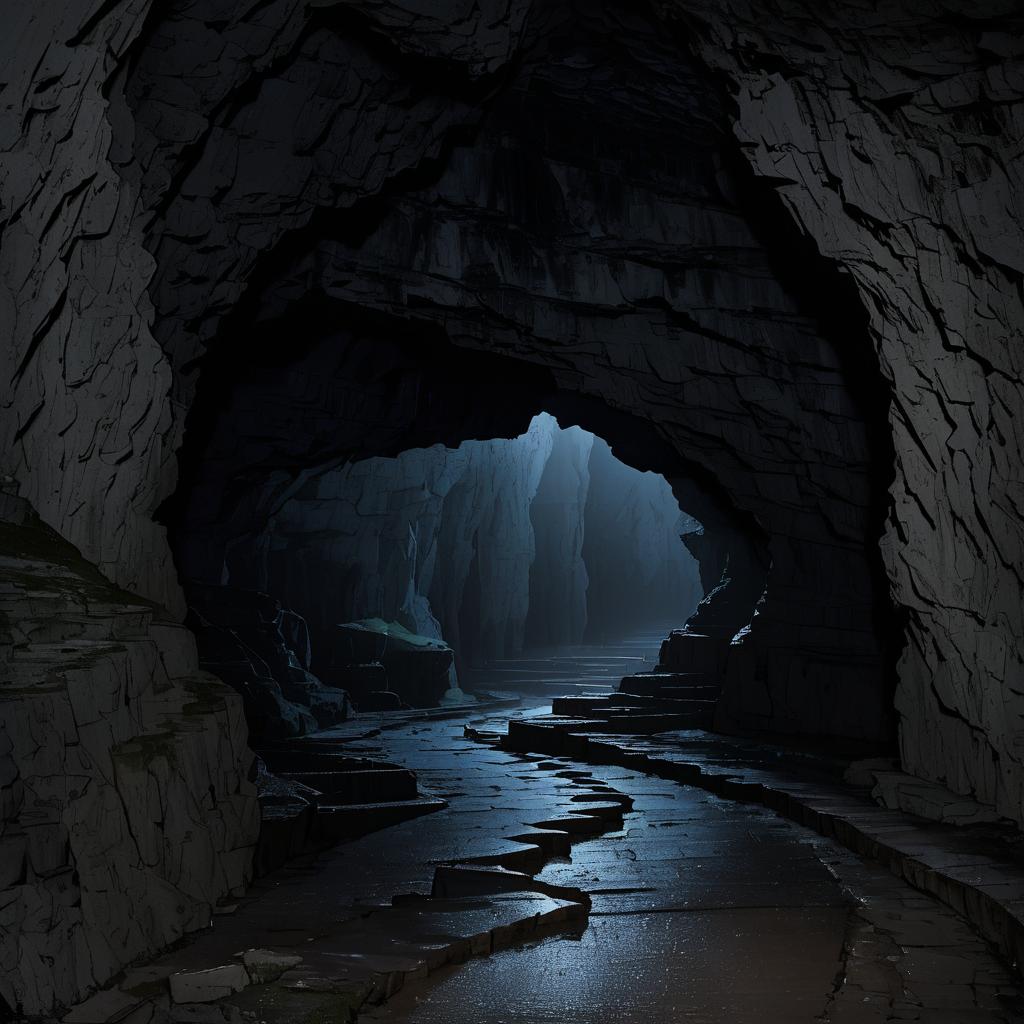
(703,911)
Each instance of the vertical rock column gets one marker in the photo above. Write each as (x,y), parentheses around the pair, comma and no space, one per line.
(558,579)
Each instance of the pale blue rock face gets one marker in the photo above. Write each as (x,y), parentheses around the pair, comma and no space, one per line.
(492,547)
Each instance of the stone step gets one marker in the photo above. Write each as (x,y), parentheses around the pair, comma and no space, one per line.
(347,821)
(370,786)
(652,721)
(585,705)
(647,722)
(552,734)
(617,704)
(676,693)
(660,684)
(667,700)
(683,651)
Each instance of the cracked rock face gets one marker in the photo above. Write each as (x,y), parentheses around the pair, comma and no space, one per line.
(769,250)
(893,138)
(127,809)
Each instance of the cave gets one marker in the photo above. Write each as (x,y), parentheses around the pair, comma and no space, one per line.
(495,550)
(511,511)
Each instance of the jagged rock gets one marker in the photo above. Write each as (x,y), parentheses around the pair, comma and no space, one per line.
(241,639)
(784,271)
(642,297)
(106,717)
(264,965)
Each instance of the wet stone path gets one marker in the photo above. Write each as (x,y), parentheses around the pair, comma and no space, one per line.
(710,911)
(639,900)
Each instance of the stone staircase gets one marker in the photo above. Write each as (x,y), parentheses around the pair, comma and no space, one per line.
(313,795)
(681,692)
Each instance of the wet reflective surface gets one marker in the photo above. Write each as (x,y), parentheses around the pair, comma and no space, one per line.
(722,966)
(702,911)
(711,911)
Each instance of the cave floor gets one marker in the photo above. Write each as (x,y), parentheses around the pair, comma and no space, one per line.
(701,910)
(707,910)
(567,669)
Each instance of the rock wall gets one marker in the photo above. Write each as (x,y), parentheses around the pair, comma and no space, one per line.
(126,809)
(86,429)
(624,263)
(892,135)
(127,806)
(639,570)
(491,546)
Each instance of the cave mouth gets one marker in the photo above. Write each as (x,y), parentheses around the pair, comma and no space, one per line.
(345,539)
(442,576)
(498,549)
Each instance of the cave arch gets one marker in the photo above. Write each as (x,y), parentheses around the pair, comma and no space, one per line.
(637,268)
(264,422)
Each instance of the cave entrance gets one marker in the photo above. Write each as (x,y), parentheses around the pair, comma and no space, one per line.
(506,551)
(517,565)
(342,532)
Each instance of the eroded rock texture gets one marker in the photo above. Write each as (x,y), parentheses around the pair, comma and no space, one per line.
(615,266)
(126,809)
(492,546)
(767,248)
(892,133)
(125,793)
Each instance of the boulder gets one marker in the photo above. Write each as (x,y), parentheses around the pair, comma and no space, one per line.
(416,667)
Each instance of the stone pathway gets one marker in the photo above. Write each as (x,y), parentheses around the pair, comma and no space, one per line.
(976,869)
(713,911)
(584,668)
(549,889)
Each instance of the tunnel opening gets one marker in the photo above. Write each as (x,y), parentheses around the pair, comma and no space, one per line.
(371,496)
(629,281)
